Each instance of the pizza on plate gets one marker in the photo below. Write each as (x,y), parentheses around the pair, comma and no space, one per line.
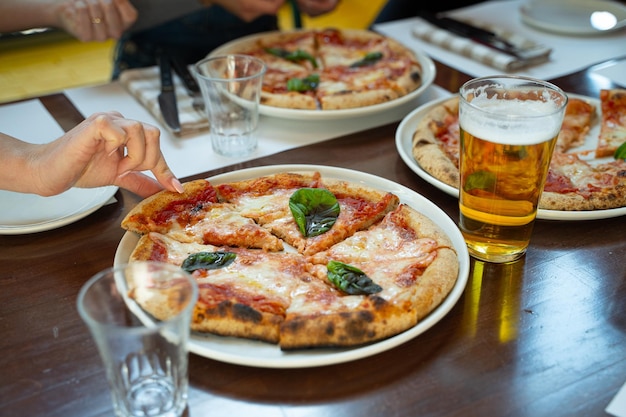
(356,265)
(331,69)
(575,181)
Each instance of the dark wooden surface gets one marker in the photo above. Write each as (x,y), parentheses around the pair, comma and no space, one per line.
(544,336)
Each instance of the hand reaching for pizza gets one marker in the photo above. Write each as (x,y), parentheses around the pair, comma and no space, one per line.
(105,149)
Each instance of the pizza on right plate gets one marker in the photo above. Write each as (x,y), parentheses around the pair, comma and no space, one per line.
(581,177)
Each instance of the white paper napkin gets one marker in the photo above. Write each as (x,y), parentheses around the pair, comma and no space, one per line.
(145,85)
(481,53)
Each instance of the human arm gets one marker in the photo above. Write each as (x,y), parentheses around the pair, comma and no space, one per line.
(105,149)
(87,20)
(316,7)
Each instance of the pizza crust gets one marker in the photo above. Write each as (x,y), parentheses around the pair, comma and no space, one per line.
(289,100)
(348,99)
(575,202)
(430,157)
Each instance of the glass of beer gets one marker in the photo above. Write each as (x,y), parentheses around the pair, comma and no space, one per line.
(509,127)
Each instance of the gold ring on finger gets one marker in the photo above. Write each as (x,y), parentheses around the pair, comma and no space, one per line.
(96,20)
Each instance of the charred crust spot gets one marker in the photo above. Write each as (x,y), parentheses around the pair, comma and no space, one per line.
(416,76)
(245,313)
(291,326)
(377,302)
(238,311)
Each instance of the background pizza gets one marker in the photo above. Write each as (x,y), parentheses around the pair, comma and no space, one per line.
(579,179)
(331,69)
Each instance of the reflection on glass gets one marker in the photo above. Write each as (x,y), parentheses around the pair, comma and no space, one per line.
(602,20)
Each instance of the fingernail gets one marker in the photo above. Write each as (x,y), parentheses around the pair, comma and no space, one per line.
(177,185)
(123,174)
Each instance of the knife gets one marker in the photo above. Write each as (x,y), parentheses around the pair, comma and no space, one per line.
(190,83)
(167,97)
(480,35)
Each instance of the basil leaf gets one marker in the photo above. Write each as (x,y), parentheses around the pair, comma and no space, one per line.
(482,180)
(350,279)
(315,210)
(295,56)
(309,83)
(368,59)
(208,260)
(620,153)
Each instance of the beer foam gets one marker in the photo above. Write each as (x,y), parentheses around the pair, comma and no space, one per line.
(511,122)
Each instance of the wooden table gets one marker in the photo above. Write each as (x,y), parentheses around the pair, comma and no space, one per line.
(544,336)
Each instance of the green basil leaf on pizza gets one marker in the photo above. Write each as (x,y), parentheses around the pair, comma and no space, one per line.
(351,279)
(208,260)
(315,210)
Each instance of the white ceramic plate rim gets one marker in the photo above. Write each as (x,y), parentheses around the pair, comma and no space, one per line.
(428,77)
(404,145)
(259,354)
(539,14)
(92,200)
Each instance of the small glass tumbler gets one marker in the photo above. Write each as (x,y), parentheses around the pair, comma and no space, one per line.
(139,316)
(231,88)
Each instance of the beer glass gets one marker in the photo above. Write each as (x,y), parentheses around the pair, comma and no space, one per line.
(509,127)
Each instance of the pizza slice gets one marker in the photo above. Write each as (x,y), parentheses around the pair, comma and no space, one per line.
(270,200)
(344,88)
(266,198)
(436,142)
(390,276)
(613,125)
(242,292)
(358,208)
(196,215)
(574,184)
(362,68)
(296,47)
(579,115)
(290,59)
(350,48)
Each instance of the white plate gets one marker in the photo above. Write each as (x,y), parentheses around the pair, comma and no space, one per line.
(259,354)
(404,144)
(428,76)
(30,213)
(574,17)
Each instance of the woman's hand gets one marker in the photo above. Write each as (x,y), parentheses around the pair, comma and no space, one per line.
(104,149)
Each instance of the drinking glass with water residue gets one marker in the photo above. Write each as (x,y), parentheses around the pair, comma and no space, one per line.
(142,344)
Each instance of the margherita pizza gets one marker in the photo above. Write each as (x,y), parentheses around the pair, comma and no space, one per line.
(331,69)
(574,182)
(357,265)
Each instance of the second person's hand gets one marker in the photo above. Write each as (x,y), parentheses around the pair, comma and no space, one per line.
(96,20)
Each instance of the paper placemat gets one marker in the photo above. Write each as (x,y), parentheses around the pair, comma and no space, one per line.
(569,53)
(29,121)
(192,154)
